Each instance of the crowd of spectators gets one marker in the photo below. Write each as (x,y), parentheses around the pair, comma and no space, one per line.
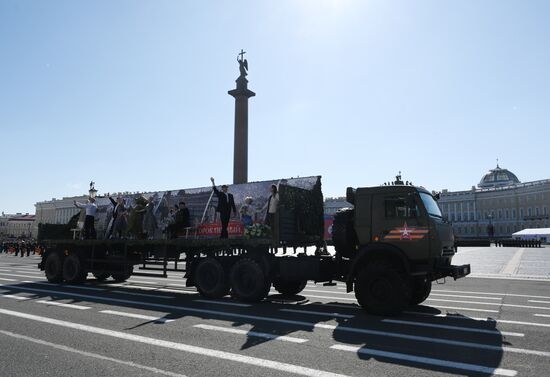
(20,247)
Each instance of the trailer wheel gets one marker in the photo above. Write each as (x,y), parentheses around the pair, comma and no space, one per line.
(381,290)
(73,271)
(420,291)
(249,282)
(123,275)
(53,268)
(210,279)
(289,288)
(101,276)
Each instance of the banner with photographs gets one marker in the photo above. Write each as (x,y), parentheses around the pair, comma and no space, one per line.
(150,215)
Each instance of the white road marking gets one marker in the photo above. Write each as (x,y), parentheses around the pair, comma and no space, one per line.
(299,323)
(333,298)
(542,315)
(325,291)
(490,293)
(90,354)
(426,360)
(150,288)
(30,272)
(142,294)
(480,319)
(220,302)
(539,302)
(461,296)
(252,333)
(454,328)
(324,314)
(4,279)
(512,266)
(14,297)
(264,363)
(138,316)
(63,305)
(517,277)
(19,276)
(467,309)
(344,306)
(65,285)
(489,303)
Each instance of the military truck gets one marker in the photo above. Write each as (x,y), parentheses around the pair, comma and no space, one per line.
(388,249)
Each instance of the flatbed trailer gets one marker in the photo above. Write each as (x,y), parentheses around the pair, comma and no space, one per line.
(389,249)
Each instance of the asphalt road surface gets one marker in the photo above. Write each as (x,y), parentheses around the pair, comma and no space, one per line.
(494,323)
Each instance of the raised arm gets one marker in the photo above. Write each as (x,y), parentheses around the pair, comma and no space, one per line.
(214,186)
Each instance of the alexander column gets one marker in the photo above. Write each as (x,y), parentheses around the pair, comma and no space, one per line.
(241,95)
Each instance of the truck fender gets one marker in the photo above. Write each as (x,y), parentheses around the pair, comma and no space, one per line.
(374,252)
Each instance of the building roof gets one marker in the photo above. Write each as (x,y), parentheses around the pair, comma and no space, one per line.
(498,177)
(22,218)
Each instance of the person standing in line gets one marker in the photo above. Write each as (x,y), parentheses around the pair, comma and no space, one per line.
(91,209)
(226,203)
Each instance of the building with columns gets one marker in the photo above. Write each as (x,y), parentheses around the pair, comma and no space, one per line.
(56,211)
(499,206)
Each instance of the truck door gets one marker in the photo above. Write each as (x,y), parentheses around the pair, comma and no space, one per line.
(400,221)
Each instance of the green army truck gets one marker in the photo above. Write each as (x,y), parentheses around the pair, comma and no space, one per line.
(392,245)
(388,249)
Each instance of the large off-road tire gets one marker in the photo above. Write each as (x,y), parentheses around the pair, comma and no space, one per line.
(210,279)
(53,268)
(420,291)
(249,281)
(343,232)
(73,271)
(123,275)
(289,288)
(381,289)
(101,276)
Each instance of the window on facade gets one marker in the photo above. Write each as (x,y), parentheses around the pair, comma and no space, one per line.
(513,213)
(507,214)
(537,211)
(400,207)
(499,214)
(529,211)
(521,213)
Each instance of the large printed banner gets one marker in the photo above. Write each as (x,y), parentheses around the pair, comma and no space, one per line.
(154,219)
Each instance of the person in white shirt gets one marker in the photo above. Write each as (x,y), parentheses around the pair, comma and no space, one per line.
(272,204)
(91,210)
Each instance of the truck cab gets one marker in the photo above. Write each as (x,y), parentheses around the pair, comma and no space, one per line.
(394,243)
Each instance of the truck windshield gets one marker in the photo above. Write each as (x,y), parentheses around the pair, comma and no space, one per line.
(430,204)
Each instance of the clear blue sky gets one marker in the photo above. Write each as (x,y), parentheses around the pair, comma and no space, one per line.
(133,94)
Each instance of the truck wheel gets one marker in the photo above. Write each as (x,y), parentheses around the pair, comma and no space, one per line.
(73,271)
(101,276)
(289,288)
(53,268)
(420,291)
(210,279)
(381,290)
(343,233)
(248,281)
(123,275)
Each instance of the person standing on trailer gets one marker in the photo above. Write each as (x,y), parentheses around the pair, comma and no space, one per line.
(91,209)
(226,203)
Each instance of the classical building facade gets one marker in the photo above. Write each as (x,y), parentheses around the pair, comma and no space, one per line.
(56,211)
(499,206)
(18,225)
